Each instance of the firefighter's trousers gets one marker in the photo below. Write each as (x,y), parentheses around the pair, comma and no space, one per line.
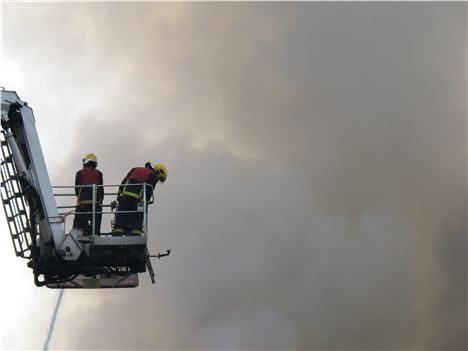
(85,220)
(128,223)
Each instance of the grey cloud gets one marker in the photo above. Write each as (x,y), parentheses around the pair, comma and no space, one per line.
(316,195)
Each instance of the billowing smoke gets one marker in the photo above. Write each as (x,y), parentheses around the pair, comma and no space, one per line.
(316,196)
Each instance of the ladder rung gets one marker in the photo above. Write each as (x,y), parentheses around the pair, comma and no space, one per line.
(16,215)
(14,196)
(8,159)
(12,178)
(3,183)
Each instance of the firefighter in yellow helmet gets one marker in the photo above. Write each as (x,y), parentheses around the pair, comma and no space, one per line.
(85,178)
(131,194)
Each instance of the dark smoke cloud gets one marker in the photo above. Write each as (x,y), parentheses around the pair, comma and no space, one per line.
(316,195)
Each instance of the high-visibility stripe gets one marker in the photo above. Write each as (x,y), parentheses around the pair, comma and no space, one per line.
(129,193)
(88,194)
(136,231)
(132,194)
(88,202)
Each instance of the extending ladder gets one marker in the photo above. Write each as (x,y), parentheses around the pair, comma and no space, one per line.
(14,203)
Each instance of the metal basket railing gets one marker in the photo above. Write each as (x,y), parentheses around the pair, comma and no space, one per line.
(64,215)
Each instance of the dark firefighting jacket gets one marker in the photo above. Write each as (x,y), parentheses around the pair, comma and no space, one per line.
(132,184)
(89,176)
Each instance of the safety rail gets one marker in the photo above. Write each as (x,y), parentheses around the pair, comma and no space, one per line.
(64,215)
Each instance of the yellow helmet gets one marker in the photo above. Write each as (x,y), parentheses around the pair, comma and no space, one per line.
(89,158)
(160,169)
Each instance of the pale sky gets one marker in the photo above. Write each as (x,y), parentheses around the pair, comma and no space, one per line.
(316,196)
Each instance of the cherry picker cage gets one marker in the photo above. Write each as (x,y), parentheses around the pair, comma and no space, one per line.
(60,256)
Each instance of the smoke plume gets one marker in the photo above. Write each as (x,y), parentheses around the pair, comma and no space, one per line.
(316,196)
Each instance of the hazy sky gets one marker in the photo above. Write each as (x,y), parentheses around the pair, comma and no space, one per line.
(316,196)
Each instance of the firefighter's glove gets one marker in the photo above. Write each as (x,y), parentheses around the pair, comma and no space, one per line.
(113,205)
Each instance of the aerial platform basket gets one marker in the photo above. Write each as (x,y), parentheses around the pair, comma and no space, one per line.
(59,255)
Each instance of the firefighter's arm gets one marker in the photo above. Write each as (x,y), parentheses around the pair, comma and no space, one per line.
(77,182)
(152,180)
(101,189)
(123,182)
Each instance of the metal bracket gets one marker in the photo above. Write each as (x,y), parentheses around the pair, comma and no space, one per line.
(56,219)
(71,245)
(160,255)
(148,262)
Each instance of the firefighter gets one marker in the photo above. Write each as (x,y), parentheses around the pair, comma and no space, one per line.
(130,195)
(86,200)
